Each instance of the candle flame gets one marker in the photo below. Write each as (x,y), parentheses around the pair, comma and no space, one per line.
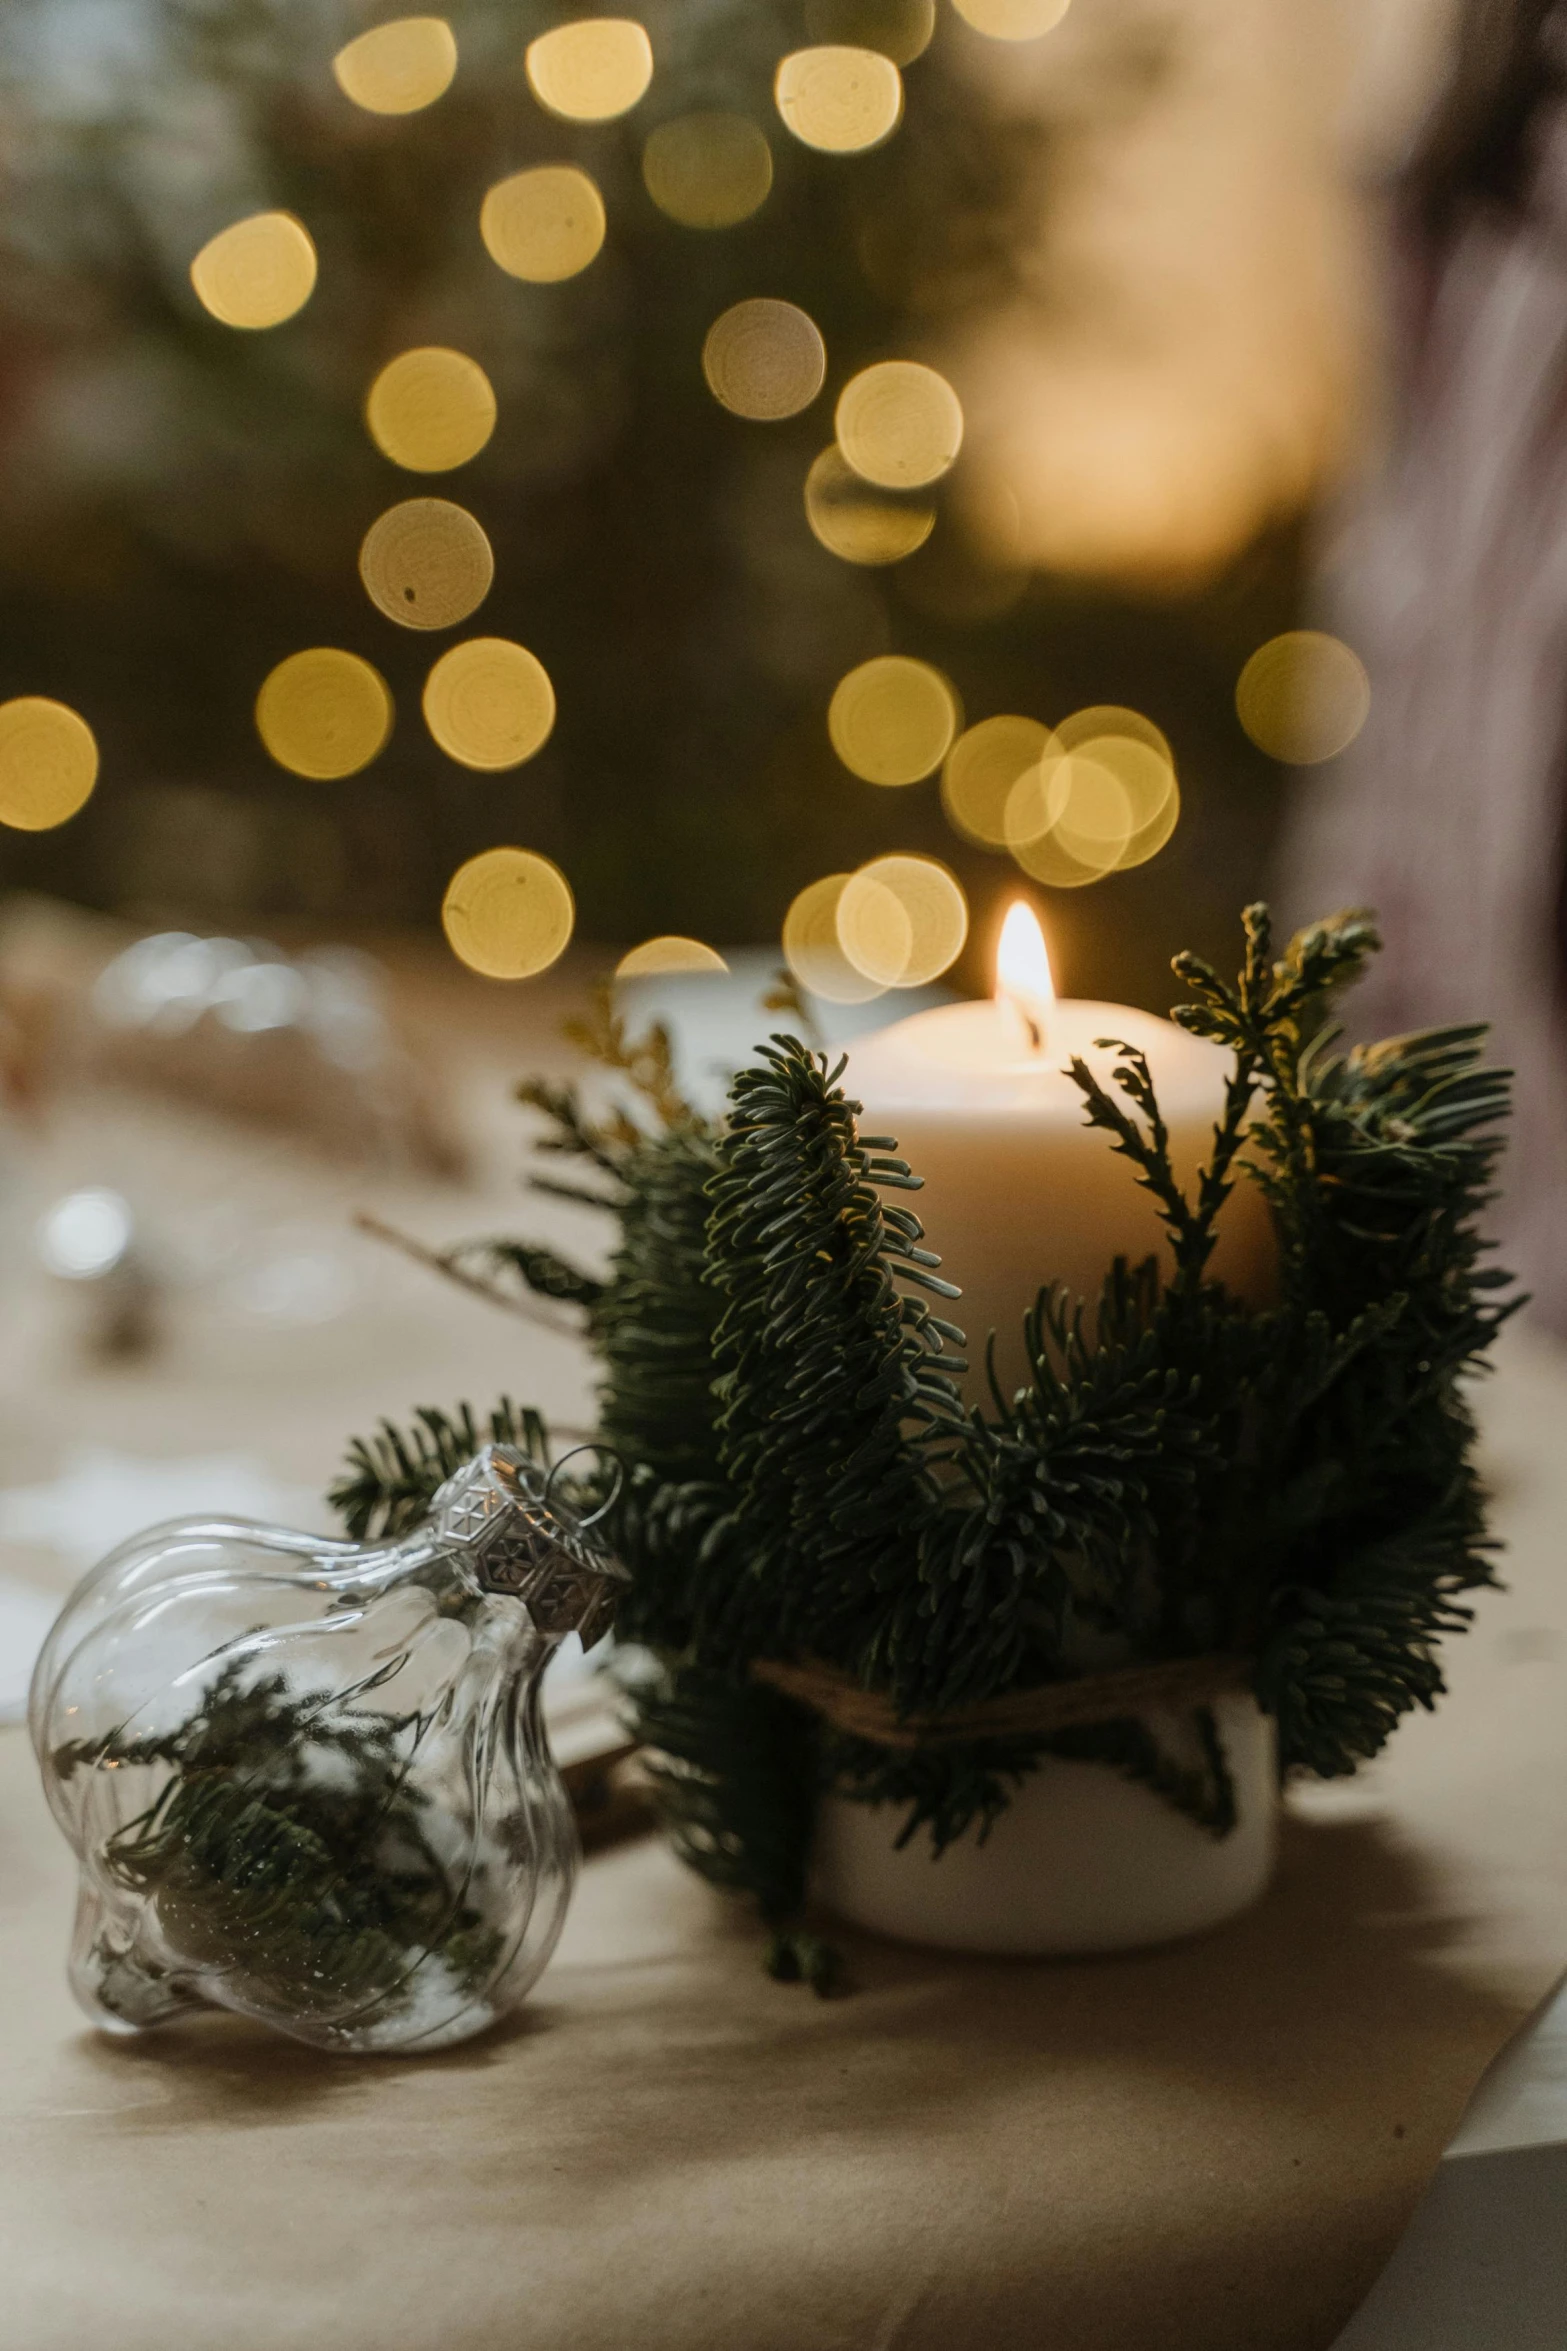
(1023,978)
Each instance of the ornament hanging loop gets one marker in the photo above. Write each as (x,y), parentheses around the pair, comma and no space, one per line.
(617,1488)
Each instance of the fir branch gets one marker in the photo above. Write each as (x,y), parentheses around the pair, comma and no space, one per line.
(1342,1667)
(392,1477)
(1055,1510)
(1193,1230)
(1267,1020)
(1147,1146)
(829,1372)
(652,1323)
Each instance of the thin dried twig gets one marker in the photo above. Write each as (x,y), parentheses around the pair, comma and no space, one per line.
(437,1261)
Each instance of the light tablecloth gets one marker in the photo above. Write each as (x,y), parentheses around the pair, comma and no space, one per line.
(1214,2145)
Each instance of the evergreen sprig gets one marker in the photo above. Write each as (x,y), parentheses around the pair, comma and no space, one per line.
(829,1376)
(287,1845)
(1180,1471)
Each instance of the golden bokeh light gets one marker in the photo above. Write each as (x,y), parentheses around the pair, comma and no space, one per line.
(1012,20)
(902,920)
(981,769)
(812,950)
(256,273)
(592,70)
(669,953)
(1036,798)
(1045,860)
(396,68)
(764,360)
(544,224)
(1102,719)
(900,29)
(899,424)
(838,99)
(508,913)
(1151,837)
(489,703)
(893,719)
(324,713)
(430,409)
(875,933)
(1303,697)
(856,520)
(708,170)
(1094,814)
(1147,776)
(48,763)
(1068,820)
(426,563)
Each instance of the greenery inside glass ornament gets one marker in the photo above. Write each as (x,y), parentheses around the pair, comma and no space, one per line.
(306,1779)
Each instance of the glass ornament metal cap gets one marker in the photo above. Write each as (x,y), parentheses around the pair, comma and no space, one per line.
(307,1780)
(502,1513)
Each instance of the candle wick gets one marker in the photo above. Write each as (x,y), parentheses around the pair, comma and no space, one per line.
(1036,1035)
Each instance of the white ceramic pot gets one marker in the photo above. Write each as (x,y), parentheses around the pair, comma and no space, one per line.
(1082,1859)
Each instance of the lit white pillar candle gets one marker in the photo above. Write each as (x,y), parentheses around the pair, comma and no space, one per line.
(1018,1192)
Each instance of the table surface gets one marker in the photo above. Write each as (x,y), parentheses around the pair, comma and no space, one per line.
(1213,2145)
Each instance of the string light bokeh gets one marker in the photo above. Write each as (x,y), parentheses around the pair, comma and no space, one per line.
(48,763)
(981,769)
(1067,800)
(256,273)
(544,224)
(1012,20)
(764,359)
(489,703)
(892,720)
(430,410)
(839,100)
(590,71)
(399,67)
(670,953)
(426,563)
(814,951)
(324,713)
(900,425)
(508,913)
(1303,697)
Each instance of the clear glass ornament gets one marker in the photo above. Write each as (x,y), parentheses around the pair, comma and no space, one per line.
(307,1780)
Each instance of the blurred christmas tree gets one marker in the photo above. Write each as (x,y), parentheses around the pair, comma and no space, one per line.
(182,506)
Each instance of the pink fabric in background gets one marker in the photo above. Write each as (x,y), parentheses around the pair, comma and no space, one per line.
(1451,582)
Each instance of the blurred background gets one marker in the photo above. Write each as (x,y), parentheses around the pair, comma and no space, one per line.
(1135,244)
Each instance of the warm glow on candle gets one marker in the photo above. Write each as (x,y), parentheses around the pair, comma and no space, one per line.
(1023,980)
